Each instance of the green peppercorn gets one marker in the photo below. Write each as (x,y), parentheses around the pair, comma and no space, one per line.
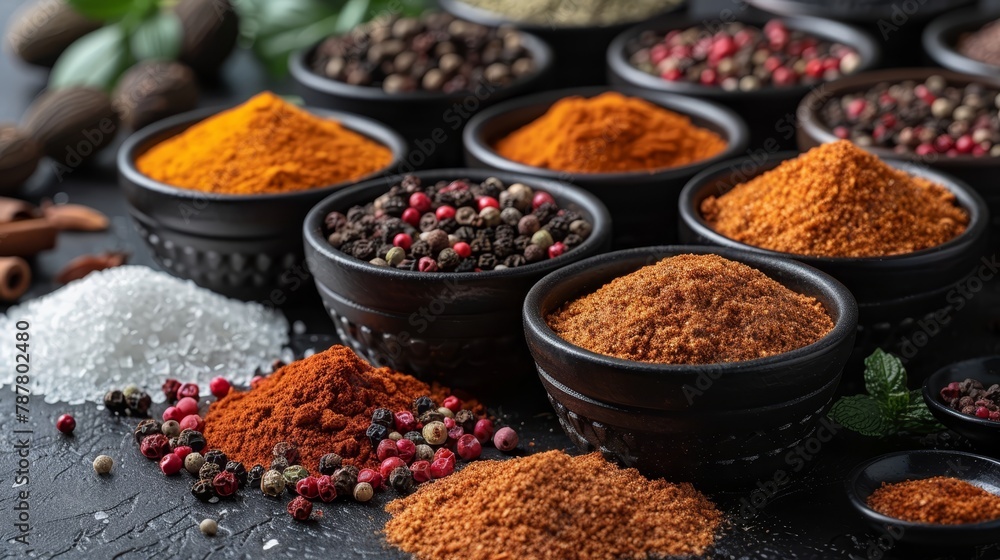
(435,433)
(542,238)
(363,492)
(203,490)
(329,463)
(294,474)
(272,483)
(431,416)
(395,256)
(446,412)
(209,470)
(171,428)
(194,462)
(395,436)
(130,390)
(424,452)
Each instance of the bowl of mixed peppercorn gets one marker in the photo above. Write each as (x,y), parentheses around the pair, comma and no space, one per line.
(426,272)
(759,67)
(965,397)
(929,116)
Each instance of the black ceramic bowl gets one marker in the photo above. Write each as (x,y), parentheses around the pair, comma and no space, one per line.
(579,51)
(641,203)
(979,172)
(941,37)
(888,289)
(897,25)
(770,111)
(719,424)
(431,122)
(243,246)
(985,433)
(916,465)
(460,328)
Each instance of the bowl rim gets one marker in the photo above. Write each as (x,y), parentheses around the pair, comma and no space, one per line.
(820,9)
(483,16)
(735,132)
(861,505)
(944,53)
(601,225)
(867,48)
(811,125)
(127,154)
(976,209)
(844,326)
(298,68)
(931,394)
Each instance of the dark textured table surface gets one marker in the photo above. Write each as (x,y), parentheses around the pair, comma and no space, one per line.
(138,513)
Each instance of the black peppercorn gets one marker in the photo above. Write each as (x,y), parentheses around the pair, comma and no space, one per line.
(286,450)
(279,464)
(466,419)
(344,480)
(329,463)
(255,475)
(431,416)
(420,248)
(239,471)
(487,261)
(514,261)
(193,439)
(334,221)
(415,437)
(401,480)
(467,265)
(383,416)
(114,401)
(209,470)
(203,490)
(138,403)
(376,433)
(146,428)
(216,456)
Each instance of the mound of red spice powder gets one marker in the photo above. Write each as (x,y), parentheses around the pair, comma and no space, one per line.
(552,506)
(941,500)
(322,404)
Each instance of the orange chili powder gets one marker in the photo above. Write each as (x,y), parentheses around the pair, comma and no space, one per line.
(940,500)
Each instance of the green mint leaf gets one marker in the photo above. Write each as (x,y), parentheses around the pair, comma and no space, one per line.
(353,13)
(158,37)
(862,414)
(103,10)
(97,60)
(885,380)
(917,419)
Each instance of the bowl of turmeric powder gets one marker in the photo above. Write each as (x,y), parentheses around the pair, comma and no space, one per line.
(219,196)
(905,239)
(632,149)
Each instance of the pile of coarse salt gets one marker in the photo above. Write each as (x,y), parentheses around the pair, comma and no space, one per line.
(133,325)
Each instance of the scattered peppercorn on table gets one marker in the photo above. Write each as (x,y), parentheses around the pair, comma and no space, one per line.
(442,474)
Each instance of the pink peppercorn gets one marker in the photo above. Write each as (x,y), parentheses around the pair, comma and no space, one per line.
(66,424)
(173,413)
(454,434)
(193,422)
(219,387)
(307,488)
(154,446)
(170,464)
(505,439)
(463,249)
(469,447)
(483,430)
(389,465)
(170,387)
(855,108)
(484,202)
(406,449)
(427,264)
(182,451)
(225,484)
(540,198)
(445,454)
(411,216)
(405,421)
(371,476)
(188,406)
(444,212)
(441,468)
(300,508)
(402,240)
(421,471)
(556,249)
(256,381)
(448,422)
(325,488)
(189,390)
(983,412)
(453,403)
(386,448)
(420,202)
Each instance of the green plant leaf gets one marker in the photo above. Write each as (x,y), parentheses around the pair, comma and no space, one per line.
(103,10)
(353,13)
(278,16)
(97,59)
(158,37)
(275,50)
(917,419)
(862,414)
(885,380)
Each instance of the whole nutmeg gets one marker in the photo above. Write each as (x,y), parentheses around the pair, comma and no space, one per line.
(210,29)
(154,90)
(19,156)
(71,124)
(40,32)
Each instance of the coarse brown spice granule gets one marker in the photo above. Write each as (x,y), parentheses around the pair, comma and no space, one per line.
(940,500)
(692,309)
(837,200)
(551,506)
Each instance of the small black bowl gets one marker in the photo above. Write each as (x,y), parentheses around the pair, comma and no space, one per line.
(579,51)
(460,328)
(941,37)
(888,289)
(642,203)
(915,465)
(719,424)
(431,122)
(243,246)
(770,111)
(984,433)
(979,172)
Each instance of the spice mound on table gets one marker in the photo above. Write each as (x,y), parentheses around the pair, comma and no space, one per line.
(551,505)
(263,146)
(692,309)
(457,226)
(939,500)
(837,200)
(609,133)
(322,404)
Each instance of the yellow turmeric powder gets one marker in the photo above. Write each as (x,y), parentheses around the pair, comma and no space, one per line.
(264,146)
(609,133)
